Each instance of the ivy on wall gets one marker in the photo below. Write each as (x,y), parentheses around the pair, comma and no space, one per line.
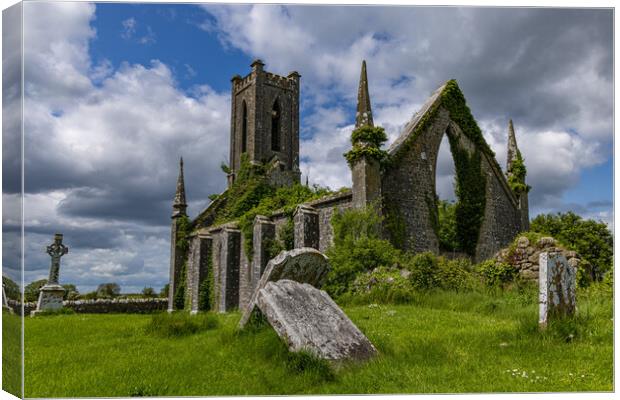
(470,180)
(366,141)
(470,194)
(516,175)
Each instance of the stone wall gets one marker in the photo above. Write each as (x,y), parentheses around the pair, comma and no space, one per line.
(101,306)
(525,257)
(408,189)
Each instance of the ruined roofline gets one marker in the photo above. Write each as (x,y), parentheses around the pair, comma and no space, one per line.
(429,105)
(426,114)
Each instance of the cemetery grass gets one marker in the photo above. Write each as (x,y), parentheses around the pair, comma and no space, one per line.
(441,342)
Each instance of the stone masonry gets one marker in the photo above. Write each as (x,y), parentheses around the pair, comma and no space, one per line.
(265,126)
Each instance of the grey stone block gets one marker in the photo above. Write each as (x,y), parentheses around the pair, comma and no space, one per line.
(557,286)
(305,265)
(307,319)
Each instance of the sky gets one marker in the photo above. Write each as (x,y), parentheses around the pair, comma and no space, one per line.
(116,93)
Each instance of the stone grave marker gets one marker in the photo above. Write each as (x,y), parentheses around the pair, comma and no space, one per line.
(557,284)
(306,318)
(51,294)
(304,265)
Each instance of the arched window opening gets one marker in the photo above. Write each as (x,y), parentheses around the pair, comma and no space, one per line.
(275,126)
(244,128)
(446,198)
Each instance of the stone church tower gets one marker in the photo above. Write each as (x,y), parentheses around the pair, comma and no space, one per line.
(265,122)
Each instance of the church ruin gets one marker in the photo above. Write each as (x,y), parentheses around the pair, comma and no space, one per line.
(265,130)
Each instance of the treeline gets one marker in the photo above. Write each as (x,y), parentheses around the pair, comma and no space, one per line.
(104,291)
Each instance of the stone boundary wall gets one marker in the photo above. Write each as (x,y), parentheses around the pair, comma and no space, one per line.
(101,306)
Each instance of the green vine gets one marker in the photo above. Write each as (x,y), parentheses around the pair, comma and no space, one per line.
(206,296)
(179,294)
(516,175)
(184,228)
(471,195)
(366,142)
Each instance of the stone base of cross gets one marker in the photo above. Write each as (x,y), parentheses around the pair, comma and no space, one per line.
(50,298)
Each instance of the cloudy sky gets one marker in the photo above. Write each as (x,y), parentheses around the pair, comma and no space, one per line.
(115,93)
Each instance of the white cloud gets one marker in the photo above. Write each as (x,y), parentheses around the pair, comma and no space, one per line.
(129,28)
(102,148)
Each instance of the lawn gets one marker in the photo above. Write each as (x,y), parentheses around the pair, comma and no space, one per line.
(442,342)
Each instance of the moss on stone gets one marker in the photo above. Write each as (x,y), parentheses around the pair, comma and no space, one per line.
(366,142)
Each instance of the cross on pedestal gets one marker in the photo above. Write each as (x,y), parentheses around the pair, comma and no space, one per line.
(51,294)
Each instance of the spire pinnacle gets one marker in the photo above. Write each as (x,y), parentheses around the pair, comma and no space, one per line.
(513,151)
(179,206)
(364,112)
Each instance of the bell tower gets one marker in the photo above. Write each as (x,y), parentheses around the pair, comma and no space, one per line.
(265,121)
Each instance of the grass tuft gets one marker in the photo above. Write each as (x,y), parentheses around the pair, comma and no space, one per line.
(179,324)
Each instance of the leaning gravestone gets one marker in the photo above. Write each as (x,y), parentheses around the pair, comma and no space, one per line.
(5,301)
(304,265)
(51,294)
(557,283)
(306,318)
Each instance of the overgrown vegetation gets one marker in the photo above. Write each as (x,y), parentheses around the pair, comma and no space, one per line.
(591,239)
(516,175)
(470,189)
(446,221)
(11,289)
(366,141)
(357,248)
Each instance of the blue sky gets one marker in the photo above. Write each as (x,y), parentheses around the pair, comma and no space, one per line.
(115,93)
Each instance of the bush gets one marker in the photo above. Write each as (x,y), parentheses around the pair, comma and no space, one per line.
(164,291)
(447,226)
(383,285)
(31,291)
(357,248)
(495,273)
(71,292)
(148,292)
(180,324)
(424,268)
(592,240)
(108,290)
(455,274)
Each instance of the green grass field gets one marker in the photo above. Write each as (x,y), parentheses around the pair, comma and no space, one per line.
(441,343)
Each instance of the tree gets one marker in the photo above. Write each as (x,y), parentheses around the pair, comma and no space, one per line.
(71,292)
(447,226)
(108,290)
(148,292)
(164,291)
(11,289)
(31,291)
(591,239)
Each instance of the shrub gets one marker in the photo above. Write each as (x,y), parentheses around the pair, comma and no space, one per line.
(592,240)
(382,285)
(495,273)
(357,248)
(71,292)
(148,292)
(455,274)
(447,226)
(179,324)
(424,268)
(31,291)
(164,291)
(354,257)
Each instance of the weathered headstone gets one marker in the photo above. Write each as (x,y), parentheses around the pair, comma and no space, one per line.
(51,294)
(557,284)
(304,265)
(306,318)
(5,301)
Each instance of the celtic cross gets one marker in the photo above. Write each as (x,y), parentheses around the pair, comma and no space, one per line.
(56,250)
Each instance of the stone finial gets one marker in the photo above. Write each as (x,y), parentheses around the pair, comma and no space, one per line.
(179,206)
(363,115)
(513,151)
(257,65)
